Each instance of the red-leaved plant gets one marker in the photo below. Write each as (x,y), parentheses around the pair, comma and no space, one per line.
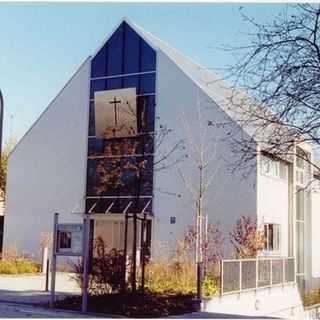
(212,247)
(246,238)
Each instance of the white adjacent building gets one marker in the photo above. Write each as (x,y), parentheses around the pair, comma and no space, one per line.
(108,116)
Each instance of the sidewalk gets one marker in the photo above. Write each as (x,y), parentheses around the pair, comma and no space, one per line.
(31,289)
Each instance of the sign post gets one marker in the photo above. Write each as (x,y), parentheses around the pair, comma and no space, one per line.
(69,239)
(86,230)
(54,260)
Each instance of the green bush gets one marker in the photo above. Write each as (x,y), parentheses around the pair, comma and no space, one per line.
(8,267)
(210,287)
(18,266)
(26,266)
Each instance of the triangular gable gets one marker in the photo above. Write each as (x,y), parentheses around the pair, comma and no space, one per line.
(137,55)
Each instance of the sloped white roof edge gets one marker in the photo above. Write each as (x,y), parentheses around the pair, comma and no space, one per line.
(48,107)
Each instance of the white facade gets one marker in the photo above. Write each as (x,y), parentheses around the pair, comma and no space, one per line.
(46,171)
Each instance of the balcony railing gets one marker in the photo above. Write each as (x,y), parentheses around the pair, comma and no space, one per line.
(238,275)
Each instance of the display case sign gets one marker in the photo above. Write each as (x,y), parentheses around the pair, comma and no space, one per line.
(69,239)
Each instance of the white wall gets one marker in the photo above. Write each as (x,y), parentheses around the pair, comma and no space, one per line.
(273,206)
(47,169)
(230,196)
(277,302)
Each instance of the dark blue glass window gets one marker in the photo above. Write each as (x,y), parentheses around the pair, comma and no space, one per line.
(99,63)
(92,129)
(115,53)
(111,169)
(125,52)
(148,57)
(120,176)
(144,84)
(132,51)
(126,146)
(146,110)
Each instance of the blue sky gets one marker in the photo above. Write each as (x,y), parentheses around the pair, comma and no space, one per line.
(42,45)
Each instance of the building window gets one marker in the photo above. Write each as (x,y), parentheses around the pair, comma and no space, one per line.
(271,237)
(274,168)
(303,167)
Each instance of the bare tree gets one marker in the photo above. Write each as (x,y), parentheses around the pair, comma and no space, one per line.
(278,74)
(201,167)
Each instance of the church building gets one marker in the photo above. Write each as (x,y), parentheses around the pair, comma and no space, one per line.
(113,140)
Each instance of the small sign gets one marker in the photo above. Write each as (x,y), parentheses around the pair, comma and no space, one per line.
(69,239)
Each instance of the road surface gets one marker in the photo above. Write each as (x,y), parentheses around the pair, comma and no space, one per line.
(13,310)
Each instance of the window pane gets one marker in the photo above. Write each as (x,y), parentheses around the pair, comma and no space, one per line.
(127,146)
(115,46)
(92,129)
(103,230)
(120,176)
(300,247)
(148,57)
(276,237)
(145,84)
(283,170)
(99,63)
(131,52)
(270,237)
(300,157)
(265,237)
(300,204)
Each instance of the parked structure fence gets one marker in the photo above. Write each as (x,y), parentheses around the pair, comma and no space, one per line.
(239,275)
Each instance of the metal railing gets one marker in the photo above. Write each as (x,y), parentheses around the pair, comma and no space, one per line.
(238,275)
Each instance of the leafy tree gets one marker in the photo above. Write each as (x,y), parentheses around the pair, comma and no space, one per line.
(4,166)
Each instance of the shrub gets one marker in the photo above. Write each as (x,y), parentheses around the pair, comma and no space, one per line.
(18,266)
(27,266)
(8,267)
(106,271)
(246,238)
(311,297)
(210,287)
(176,277)
(212,247)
